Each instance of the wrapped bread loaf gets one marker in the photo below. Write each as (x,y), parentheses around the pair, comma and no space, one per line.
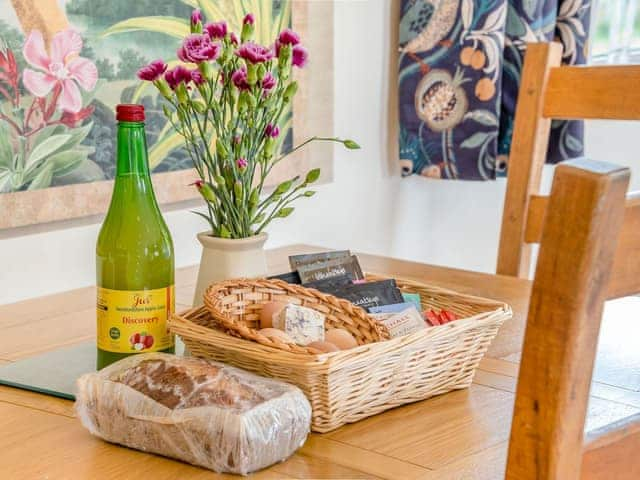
(204,413)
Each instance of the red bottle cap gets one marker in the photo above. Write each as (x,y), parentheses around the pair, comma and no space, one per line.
(129,113)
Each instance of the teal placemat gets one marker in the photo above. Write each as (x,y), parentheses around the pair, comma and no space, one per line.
(53,373)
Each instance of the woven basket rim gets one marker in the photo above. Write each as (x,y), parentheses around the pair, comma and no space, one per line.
(378,331)
(178,322)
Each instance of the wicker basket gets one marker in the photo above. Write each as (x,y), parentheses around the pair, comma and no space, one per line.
(235,307)
(347,386)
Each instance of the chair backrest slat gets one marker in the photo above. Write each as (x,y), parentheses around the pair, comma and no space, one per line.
(608,451)
(605,93)
(548,91)
(585,211)
(527,156)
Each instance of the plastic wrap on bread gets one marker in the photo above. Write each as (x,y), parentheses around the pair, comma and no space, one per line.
(198,411)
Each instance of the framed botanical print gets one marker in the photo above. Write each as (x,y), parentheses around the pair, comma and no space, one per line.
(66,64)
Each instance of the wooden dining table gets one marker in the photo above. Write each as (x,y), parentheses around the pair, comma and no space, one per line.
(458,435)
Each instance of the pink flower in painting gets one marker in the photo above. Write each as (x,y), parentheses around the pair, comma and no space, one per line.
(299,56)
(153,71)
(62,68)
(72,120)
(216,29)
(254,53)
(242,163)
(234,38)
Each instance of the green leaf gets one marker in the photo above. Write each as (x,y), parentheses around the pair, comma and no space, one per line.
(5,180)
(45,148)
(224,232)
(65,162)
(312,176)
(87,171)
(350,144)
(285,212)
(483,117)
(209,221)
(176,27)
(6,152)
(78,135)
(475,140)
(309,193)
(43,178)
(284,187)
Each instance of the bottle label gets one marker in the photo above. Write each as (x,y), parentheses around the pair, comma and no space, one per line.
(132,321)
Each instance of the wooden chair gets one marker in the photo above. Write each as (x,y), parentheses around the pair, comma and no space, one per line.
(550,91)
(585,216)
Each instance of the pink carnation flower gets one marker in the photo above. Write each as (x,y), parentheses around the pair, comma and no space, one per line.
(62,68)
(239,78)
(248,19)
(254,53)
(153,71)
(197,77)
(234,38)
(268,82)
(288,37)
(216,29)
(196,16)
(242,163)
(299,56)
(271,131)
(197,48)
(177,75)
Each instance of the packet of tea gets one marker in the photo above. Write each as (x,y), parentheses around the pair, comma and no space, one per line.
(331,268)
(392,308)
(289,277)
(413,298)
(401,323)
(330,283)
(370,294)
(316,258)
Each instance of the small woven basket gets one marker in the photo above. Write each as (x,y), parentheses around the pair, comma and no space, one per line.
(235,305)
(349,385)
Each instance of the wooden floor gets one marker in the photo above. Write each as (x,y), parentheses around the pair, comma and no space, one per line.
(460,435)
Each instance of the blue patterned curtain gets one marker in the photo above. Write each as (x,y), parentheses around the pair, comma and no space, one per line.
(459,71)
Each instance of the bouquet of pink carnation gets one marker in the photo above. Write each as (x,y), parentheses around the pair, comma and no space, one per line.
(226,101)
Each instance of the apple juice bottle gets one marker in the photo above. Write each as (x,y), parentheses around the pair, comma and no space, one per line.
(134,255)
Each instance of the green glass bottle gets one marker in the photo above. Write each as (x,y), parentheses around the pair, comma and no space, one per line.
(134,255)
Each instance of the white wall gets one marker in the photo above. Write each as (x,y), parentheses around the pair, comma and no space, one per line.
(366,208)
(354,211)
(457,224)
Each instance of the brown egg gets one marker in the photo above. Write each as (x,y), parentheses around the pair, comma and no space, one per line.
(268,311)
(340,338)
(325,347)
(275,334)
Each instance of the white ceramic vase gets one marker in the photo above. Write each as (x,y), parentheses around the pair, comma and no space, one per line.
(226,258)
